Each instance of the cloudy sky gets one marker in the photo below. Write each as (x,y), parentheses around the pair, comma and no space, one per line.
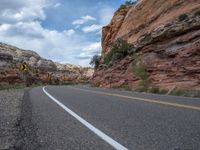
(66,31)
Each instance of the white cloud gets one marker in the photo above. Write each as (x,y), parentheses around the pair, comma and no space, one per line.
(83,20)
(89,51)
(93,47)
(20,25)
(62,46)
(92,28)
(21,10)
(57,5)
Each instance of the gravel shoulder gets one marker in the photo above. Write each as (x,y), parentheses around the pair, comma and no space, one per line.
(10,116)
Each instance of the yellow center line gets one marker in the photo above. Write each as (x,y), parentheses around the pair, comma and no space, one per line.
(142,99)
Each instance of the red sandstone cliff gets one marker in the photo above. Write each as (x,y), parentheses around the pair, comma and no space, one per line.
(169,46)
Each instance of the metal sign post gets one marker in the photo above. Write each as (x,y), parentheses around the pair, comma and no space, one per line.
(24,71)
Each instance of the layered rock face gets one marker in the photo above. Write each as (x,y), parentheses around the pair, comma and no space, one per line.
(40,70)
(166,33)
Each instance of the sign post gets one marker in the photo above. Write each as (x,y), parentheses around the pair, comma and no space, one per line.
(24,71)
(24,67)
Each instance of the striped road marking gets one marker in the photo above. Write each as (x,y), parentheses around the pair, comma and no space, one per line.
(142,99)
(99,133)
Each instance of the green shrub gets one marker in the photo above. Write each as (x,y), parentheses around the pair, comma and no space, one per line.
(154,90)
(185,92)
(183,17)
(197,13)
(95,61)
(119,50)
(141,89)
(127,3)
(140,71)
(122,7)
(97,84)
(157,90)
(130,2)
(3,73)
(126,87)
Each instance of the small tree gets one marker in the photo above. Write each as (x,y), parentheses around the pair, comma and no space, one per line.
(95,61)
(183,17)
(140,71)
(119,50)
(130,2)
(127,3)
(197,13)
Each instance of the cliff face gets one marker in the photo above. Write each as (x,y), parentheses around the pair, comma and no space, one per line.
(166,33)
(40,70)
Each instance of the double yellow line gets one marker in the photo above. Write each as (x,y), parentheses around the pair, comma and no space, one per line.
(141,99)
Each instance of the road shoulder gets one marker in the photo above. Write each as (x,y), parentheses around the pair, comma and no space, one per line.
(10,112)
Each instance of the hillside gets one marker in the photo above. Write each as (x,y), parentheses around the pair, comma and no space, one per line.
(163,40)
(40,70)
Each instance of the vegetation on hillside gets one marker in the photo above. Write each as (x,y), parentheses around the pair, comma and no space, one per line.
(119,50)
(183,17)
(139,69)
(197,13)
(127,3)
(95,61)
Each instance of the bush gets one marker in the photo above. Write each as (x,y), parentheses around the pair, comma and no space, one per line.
(154,90)
(140,71)
(119,50)
(130,2)
(125,87)
(122,6)
(95,61)
(157,90)
(127,3)
(141,89)
(185,92)
(183,17)
(197,13)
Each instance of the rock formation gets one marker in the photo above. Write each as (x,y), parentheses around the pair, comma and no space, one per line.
(40,70)
(165,33)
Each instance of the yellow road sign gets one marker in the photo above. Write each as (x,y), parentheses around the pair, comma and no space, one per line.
(23,67)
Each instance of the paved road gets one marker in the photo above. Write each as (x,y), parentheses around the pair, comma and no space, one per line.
(77,117)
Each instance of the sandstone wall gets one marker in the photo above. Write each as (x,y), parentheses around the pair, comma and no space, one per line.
(170,47)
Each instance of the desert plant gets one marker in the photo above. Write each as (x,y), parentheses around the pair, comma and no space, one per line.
(3,73)
(157,90)
(183,17)
(139,69)
(185,92)
(126,87)
(95,61)
(130,2)
(197,13)
(119,50)
(154,89)
(122,7)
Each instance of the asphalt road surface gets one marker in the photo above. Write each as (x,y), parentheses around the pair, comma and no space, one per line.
(85,118)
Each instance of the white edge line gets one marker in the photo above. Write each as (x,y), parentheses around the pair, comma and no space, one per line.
(102,135)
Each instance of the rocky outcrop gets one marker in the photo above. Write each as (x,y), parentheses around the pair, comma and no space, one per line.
(30,57)
(110,31)
(166,34)
(40,70)
(68,72)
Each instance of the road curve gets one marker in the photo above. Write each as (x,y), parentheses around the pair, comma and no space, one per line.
(77,117)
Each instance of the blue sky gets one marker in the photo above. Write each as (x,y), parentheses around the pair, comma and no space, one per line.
(66,31)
